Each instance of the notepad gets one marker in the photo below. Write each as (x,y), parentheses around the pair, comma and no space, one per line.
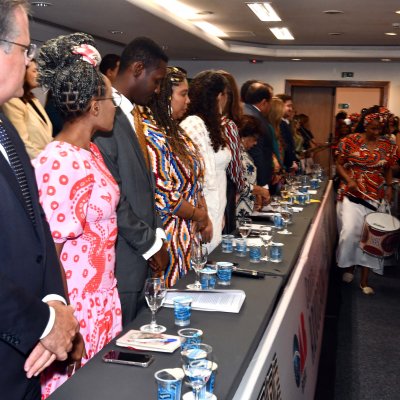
(229,301)
(149,341)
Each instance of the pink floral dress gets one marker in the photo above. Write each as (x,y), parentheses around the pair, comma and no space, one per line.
(80,197)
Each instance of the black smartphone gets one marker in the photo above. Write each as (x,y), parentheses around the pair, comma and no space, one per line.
(122,357)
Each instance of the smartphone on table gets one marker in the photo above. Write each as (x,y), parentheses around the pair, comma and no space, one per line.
(122,357)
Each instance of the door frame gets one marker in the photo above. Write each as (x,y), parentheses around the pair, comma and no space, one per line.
(383,85)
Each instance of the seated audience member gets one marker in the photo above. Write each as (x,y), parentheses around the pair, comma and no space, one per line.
(250,131)
(109,66)
(178,171)
(79,194)
(28,115)
(208,96)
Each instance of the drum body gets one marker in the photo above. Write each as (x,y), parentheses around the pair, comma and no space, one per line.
(380,235)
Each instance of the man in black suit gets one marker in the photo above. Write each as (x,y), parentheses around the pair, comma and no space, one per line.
(36,327)
(258,97)
(140,234)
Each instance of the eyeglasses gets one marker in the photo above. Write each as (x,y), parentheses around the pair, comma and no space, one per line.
(30,49)
(116,99)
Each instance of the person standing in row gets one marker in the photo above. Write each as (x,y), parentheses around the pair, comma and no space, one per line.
(140,234)
(208,95)
(178,169)
(36,327)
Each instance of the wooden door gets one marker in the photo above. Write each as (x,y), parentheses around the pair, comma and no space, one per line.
(318,103)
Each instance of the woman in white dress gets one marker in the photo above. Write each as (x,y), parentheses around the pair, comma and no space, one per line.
(208,96)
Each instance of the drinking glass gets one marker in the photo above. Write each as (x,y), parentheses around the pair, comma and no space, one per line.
(197,363)
(244,227)
(154,291)
(198,259)
(266,238)
(286,214)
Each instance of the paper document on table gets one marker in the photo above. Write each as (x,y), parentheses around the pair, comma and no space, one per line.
(211,300)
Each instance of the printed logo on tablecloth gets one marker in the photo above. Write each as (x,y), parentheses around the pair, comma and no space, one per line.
(300,354)
(271,389)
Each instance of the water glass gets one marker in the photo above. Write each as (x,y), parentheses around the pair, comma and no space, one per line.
(154,291)
(208,277)
(169,383)
(241,247)
(227,243)
(275,252)
(207,390)
(190,337)
(302,198)
(314,184)
(255,253)
(182,310)
(224,272)
(278,221)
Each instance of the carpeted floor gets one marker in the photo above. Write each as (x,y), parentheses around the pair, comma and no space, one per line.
(360,357)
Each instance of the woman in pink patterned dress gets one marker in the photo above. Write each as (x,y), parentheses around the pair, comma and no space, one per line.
(80,196)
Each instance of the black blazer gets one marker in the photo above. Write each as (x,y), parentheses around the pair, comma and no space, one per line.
(136,214)
(29,270)
(263,150)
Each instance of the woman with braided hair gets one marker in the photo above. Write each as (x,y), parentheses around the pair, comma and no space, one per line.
(364,162)
(178,171)
(79,195)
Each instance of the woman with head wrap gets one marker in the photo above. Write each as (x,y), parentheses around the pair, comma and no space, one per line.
(178,171)
(79,195)
(364,162)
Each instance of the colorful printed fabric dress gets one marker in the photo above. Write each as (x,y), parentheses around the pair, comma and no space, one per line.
(79,197)
(175,182)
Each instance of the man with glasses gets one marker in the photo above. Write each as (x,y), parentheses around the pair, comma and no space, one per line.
(140,235)
(36,327)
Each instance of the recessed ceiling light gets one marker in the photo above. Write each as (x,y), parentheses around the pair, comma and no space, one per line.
(282,33)
(116,32)
(41,4)
(179,9)
(264,11)
(386,59)
(391,33)
(296,59)
(210,28)
(333,12)
(397,12)
(335,33)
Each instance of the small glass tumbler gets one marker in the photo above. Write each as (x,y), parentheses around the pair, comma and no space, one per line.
(255,253)
(182,310)
(314,184)
(169,383)
(208,277)
(227,243)
(278,221)
(224,273)
(190,337)
(301,198)
(275,252)
(241,247)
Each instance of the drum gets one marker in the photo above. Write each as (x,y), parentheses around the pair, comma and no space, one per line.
(380,235)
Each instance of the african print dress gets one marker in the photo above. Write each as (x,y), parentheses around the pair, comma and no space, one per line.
(175,182)
(80,197)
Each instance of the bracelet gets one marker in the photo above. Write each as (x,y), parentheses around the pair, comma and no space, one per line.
(194,210)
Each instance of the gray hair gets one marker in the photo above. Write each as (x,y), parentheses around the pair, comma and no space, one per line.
(8,29)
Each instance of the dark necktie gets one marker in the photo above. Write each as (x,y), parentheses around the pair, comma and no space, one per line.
(18,170)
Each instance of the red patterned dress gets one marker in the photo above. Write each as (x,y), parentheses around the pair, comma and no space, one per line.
(79,197)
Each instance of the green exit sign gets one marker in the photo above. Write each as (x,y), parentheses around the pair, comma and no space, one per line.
(343,106)
(347,74)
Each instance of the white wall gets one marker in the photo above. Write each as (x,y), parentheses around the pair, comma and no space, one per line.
(275,73)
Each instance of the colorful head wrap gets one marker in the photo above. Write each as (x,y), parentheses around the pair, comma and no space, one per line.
(381,114)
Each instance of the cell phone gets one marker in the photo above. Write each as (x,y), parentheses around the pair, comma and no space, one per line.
(121,357)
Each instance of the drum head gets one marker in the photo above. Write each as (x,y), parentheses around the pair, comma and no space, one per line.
(382,222)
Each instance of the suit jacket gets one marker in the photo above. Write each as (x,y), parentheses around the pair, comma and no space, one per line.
(290,149)
(35,132)
(136,214)
(29,270)
(263,150)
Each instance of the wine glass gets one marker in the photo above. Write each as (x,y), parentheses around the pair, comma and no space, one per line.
(198,259)
(266,238)
(244,227)
(154,291)
(197,363)
(286,214)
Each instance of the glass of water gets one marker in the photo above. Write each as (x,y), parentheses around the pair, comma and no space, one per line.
(244,227)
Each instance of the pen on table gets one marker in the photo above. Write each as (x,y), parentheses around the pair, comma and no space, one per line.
(154,340)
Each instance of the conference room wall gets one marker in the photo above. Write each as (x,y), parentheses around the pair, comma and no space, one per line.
(275,73)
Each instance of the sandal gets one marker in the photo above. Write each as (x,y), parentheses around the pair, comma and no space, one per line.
(367,290)
(347,277)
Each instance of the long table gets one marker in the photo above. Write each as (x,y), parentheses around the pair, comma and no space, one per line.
(236,338)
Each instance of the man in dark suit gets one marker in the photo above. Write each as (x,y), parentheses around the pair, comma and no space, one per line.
(140,234)
(36,327)
(258,97)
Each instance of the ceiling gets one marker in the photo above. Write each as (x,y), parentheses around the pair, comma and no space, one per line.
(362,27)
